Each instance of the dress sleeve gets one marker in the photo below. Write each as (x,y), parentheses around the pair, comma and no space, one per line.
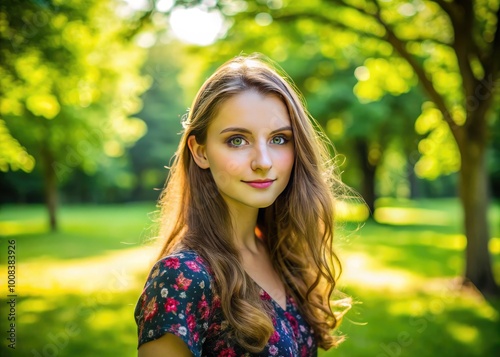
(176,299)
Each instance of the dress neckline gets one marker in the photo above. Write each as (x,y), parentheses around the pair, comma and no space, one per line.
(268,296)
(262,290)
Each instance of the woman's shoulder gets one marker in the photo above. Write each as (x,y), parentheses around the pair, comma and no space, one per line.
(177,298)
(184,266)
(188,257)
(176,281)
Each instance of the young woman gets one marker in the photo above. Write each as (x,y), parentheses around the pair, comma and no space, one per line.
(247,267)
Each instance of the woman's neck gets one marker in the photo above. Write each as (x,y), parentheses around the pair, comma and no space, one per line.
(244,220)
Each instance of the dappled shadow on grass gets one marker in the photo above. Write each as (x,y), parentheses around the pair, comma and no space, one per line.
(405,277)
(76,325)
(445,321)
(425,252)
(422,252)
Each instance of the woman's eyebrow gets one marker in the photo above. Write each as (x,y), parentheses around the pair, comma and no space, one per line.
(246,131)
(285,128)
(238,130)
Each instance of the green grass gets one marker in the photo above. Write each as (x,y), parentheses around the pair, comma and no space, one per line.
(84,230)
(77,288)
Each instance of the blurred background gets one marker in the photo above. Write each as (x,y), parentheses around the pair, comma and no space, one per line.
(91,98)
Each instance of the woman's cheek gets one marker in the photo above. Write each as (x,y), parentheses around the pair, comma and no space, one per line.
(234,166)
(287,159)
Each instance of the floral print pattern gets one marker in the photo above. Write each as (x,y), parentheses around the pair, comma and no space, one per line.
(178,298)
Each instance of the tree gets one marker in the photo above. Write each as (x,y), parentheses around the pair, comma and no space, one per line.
(69,79)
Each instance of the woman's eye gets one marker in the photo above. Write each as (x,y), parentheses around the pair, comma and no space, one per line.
(279,140)
(236,141)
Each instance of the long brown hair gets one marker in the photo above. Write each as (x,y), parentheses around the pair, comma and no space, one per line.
(297,227)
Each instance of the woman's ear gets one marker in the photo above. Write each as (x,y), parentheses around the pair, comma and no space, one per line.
(199,152)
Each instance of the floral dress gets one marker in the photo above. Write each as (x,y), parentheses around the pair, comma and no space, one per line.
(178,298)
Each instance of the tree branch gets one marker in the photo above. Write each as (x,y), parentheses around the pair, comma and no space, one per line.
(492,64)
(420,40)
(484,91)
(447,7)
(350,6)
(462,20)
(400,46)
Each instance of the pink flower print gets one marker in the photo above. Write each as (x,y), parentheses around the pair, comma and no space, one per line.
(172,263)
(182,283)
(174,328)
(219,344)
(275,337)
(193,266)
(273,350)
(303,352)
(203,308)
(214,329)
(227,352)
(171,305)
(196,337)
(293,322)
(191,322)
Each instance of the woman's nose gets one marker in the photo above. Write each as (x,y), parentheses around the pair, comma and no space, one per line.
(262,158)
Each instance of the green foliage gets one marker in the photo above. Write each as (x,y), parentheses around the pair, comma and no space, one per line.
(337,52)
(69,80)
(440,155)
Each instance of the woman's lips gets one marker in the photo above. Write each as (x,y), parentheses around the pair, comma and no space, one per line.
(260,183)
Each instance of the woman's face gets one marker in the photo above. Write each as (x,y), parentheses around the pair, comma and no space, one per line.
(249,149)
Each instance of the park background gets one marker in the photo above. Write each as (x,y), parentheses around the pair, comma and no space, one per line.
(91,98)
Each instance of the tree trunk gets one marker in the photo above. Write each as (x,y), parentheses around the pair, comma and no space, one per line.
(368,184)
(50,188)
(412,179)
(473,188)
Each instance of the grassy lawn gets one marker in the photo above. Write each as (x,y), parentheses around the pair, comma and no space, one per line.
(76,290)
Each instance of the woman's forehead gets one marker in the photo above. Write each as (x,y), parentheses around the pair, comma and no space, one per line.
(252,110)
